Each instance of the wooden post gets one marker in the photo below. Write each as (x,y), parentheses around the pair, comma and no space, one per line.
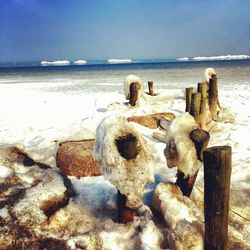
(189,92)
(202,88)
(213,97)
(200,139)
(151,88)
(217,174)
(133,95)
(127,147)
(195,106)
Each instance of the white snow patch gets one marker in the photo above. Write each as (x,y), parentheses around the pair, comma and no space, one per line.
(5,172)
(51,187)
(4,213)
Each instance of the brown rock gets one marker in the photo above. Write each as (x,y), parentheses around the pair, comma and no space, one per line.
(151,121)
(75,158)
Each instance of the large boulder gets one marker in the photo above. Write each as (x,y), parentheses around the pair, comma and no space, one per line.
(151,121)
(75,158)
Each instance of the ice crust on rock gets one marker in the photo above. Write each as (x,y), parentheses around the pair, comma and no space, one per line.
(181,216)
(180,150)
(129,176)
(51,187)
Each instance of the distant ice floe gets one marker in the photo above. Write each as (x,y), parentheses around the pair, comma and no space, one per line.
(119,61)
(227,57)
(80,62)
(183,59)
(55,63)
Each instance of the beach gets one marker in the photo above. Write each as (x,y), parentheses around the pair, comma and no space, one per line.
(43,106)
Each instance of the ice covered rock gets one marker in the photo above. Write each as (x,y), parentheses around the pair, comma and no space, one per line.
(129,176)
(180,150)
(181,216)
(75,158)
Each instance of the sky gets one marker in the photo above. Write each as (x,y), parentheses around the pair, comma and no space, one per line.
(32,30)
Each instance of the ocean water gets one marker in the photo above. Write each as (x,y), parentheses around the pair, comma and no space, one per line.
(103,77)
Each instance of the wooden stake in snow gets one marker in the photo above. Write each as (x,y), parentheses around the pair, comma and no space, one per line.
(217,174)
(195,106)
(127,147)
(200,138)
(189,92)
(213,97)
(202,89)
(133,95)
(151,88)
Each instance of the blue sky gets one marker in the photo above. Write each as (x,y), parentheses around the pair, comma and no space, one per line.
(137,29)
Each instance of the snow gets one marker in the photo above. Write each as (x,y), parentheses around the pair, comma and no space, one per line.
(226,57)
(208,74)
(113,60)
(55,63)
(5,171)
(36,120)
(128,81)
(80,62)
(129,176)
(180,150)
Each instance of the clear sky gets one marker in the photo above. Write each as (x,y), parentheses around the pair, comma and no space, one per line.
(137,29)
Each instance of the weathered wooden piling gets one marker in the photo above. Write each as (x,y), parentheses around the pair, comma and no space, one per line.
(133,95)
(127,147)
(195,106)
(200,139)
(151,88)
(213,97)
(189,92)
(217,174)
(202,88)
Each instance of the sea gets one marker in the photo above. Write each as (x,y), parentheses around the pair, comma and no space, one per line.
(101,77)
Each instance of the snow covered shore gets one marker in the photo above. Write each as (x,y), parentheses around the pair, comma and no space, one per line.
(36,121)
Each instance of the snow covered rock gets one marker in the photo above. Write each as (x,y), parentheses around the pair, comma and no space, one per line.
(129,176)
(181,216)
(75,158)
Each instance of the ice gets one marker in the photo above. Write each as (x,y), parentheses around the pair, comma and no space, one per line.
(55,63)
(129,177)
(226,57)
(180,150)
(5,171)
(113,60)
(37,114)
(80,62)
